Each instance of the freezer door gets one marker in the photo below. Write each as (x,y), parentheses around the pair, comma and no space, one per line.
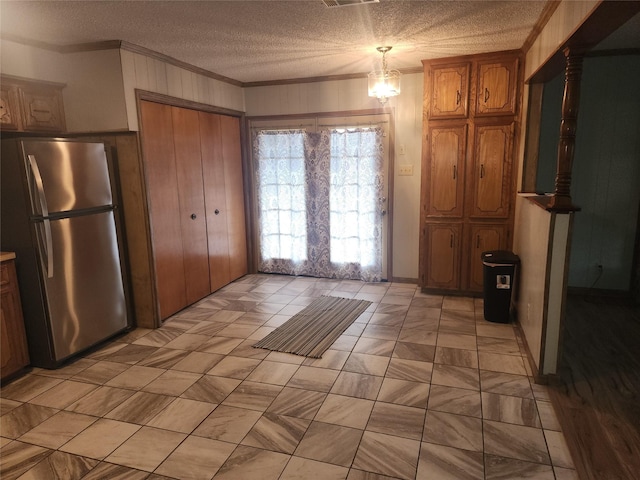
(66,175)
(84,290)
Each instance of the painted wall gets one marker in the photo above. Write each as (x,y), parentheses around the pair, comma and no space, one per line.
(93,96)
(351,95)
(606,169)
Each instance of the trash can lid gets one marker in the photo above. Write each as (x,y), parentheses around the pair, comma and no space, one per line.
(500,257)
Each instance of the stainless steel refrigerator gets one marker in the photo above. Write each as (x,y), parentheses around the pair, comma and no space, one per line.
(59,216)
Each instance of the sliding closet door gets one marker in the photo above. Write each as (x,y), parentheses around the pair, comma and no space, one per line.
(186,139)
(234,190)
(164,206)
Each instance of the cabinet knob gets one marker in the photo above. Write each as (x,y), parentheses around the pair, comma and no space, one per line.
(216,211)
(193,216)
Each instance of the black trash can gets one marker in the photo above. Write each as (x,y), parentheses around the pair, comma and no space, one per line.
(500,268)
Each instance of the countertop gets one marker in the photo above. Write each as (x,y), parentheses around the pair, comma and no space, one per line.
(6,256)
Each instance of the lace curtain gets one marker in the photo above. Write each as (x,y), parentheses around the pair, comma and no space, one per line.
(318,202)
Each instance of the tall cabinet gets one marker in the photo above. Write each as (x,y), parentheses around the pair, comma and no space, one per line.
(193,171)
(471,107)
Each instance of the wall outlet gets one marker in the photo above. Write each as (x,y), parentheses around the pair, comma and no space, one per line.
(405,170)
(401,149)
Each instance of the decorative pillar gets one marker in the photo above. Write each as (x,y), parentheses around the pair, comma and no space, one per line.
(561,199)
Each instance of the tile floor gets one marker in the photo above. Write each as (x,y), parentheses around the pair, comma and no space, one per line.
(419,387)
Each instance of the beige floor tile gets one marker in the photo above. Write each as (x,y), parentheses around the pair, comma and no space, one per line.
(111,471)
(60,465)
(329,443)
(399,420)
(452,376)
(211,389)
(503,346)
(501,467)
(299,403)
(197,362)
(135,377)
(163,358)
(100,439)
(250,463)
(374,346)
(253,396)
(23,418)
(387,455)
(505,384)
(274,373)
(560,455)
(548,417)
(28,387)
(439,462)
(196,458)
(234,367)
(18,457)
(229,424)
(457,357)
(455,400)
(146,449)
(357,385)
(101,372)
(277,433)
(367,364)
(414,351)
(100,401)
(515,441)
(220,345)
(313,378)
(247,350)
(501,363)
(509,409)
(57,429)
(404,392)
(282,357)
(305,469)
(345,343)
(345,411)
(63,394)
(131,354)
(182,415)
(333,359)
(159,337)
(457,340)
(140,408)
(458,431)
(458,303)
(411,370)
(172,383)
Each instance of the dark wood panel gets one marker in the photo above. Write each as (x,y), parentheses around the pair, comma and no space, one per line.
(164,206)
(186,139)
(232,154)
(215,199)
(598,398)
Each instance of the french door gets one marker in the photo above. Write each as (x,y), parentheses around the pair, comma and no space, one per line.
(322,201)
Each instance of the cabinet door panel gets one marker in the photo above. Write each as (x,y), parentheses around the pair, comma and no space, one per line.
(164,206)
(234,190)
(482,239)
(449,91)
(446,166)
(443,255)
(215,199)
(497,88)
(492,171)
(42,109)
(9,114)
(14,354)
(186,139)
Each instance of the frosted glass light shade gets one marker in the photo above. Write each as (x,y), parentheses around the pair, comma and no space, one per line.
(383,85)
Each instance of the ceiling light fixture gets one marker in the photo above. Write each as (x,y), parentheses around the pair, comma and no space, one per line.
(384,83)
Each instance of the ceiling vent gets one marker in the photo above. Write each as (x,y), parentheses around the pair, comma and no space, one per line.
(346,3)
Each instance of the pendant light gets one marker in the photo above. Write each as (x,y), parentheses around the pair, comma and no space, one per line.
(384,83)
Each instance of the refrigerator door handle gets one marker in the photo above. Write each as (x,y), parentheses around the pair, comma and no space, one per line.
(45,213)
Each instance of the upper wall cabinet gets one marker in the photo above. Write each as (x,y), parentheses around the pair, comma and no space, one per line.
(449,91)
(31,106)
(496,91)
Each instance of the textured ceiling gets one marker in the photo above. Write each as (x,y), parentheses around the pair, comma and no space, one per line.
(266,40)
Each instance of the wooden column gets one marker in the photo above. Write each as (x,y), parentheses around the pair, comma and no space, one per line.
(561,200)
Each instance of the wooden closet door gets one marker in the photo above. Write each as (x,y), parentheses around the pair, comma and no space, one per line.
(234,191)
(215,199)
(164,206)
(186,139)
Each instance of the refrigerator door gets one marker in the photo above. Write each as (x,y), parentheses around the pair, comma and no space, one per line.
(84,290)
(66,175)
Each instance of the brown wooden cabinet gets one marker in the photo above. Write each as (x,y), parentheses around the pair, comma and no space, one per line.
(14,353)
(496,90)
(445,165)
(31,106)
(467,175)
(449,91)
(193,170)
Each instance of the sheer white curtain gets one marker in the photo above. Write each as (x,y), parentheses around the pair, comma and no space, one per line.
(318,201)
(282,193)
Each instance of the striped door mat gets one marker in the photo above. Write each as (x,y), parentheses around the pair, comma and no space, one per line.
(314,329)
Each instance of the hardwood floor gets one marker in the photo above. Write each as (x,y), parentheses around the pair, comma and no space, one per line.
(598,396)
